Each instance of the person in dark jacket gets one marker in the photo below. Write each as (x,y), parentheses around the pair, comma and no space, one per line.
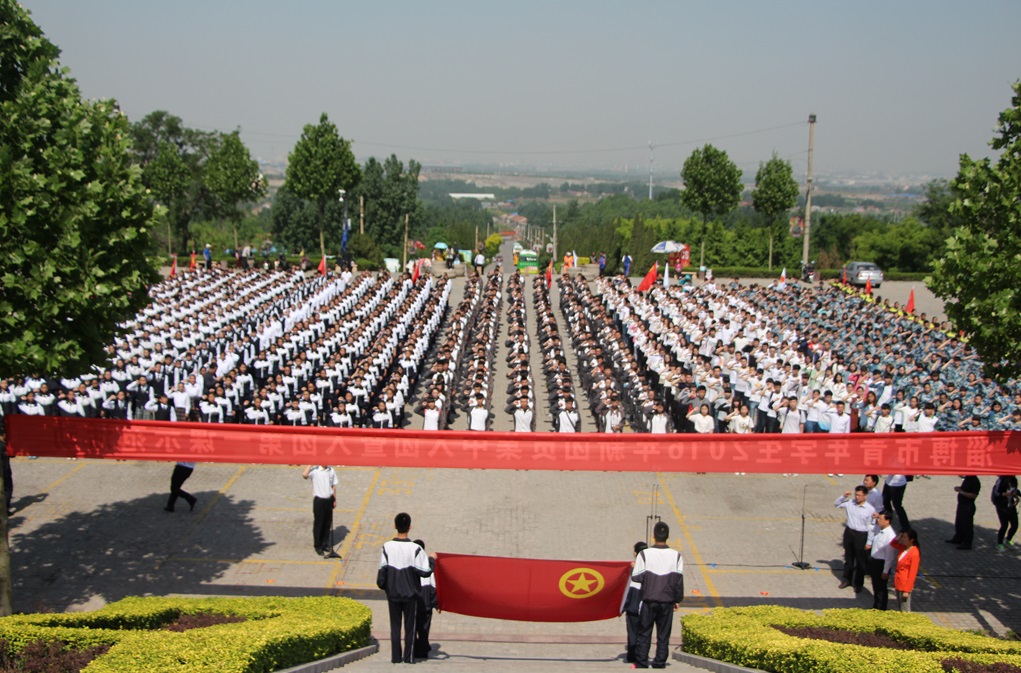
(964,519)
(402,565)
(424,612)
(660,571)
(632,609)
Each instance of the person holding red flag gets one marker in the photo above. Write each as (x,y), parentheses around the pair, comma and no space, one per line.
(193,264)
(549,275)
(173,267)
(660,571)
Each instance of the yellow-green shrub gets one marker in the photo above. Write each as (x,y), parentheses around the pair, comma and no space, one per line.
(278,633)
(745,636)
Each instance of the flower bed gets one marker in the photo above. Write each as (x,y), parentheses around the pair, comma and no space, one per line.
(752,637)
(276,633)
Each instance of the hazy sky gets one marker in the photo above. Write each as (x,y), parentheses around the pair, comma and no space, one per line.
(898,87)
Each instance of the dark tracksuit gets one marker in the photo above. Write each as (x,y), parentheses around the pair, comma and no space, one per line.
(660,571)
(404,564)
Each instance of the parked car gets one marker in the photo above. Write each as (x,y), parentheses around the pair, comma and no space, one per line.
(858,273)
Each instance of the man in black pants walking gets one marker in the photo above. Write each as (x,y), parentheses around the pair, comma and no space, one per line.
(324,499)
(660,571)
(180,475)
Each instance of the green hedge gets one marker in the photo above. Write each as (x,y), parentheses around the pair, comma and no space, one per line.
(279,633)
(746,637)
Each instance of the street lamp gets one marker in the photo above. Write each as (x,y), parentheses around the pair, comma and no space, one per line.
(345,224)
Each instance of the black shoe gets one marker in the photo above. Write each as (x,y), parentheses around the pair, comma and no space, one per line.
(843,585)
(858,590)
(191,504)
(168,509)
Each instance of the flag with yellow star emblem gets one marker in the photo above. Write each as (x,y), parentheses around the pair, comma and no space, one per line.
(530,590)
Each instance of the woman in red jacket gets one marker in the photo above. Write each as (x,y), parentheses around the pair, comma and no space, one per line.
(907,566)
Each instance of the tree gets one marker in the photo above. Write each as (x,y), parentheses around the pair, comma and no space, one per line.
(321,165)
(978,274)
(390,192)
(75,221)
(168,178)
(775,193)
(153,139)
(233,178)
(712,186)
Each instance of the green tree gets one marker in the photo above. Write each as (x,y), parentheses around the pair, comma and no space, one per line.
(168,178)
(75,220)
(978,274)
(151,137)
(390,193)
(712,186)
(319,167)
(775,193)
(233,178)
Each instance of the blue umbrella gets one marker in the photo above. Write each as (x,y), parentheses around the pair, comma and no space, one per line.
(440,246)
(664,247)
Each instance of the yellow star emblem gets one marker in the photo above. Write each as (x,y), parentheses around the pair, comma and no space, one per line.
(581,583)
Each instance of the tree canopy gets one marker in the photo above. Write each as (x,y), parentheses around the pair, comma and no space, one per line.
(321,165)
(712,186)
(978,273)
(775,193)
(233,178)
(75,220)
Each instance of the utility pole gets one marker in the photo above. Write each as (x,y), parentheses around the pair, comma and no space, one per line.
(404,261)
(361,216)
(808,192)
(651,148)
(554,232)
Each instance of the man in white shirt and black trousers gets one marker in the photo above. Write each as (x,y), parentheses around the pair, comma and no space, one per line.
(324,500)
(402,565)
(660,571)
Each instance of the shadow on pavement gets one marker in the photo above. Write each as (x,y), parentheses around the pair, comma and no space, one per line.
(120,549)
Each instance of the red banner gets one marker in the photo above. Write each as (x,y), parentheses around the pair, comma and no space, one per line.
(530,590)
(979,453)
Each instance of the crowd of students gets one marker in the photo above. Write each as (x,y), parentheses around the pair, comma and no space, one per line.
(257,347)
(276,347)
(756,359)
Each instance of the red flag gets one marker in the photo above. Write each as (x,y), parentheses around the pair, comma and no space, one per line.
(549,275)
(911,301)
(650,278)
(414,274)
(843,276)
(531,590)
(173,268)
(868,286)
(191,267)
(322,266)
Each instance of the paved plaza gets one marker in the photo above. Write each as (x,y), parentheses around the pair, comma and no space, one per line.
(89,532)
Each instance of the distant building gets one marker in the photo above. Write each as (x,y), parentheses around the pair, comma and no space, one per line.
(477,197)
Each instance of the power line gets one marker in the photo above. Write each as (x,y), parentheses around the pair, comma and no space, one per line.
(604,150)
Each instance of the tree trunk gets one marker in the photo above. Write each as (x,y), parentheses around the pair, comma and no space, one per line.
(235,223)
(322,240)
(701,259)
(771,246)
(5,555)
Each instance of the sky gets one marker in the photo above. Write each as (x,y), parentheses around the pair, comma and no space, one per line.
(899,88)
